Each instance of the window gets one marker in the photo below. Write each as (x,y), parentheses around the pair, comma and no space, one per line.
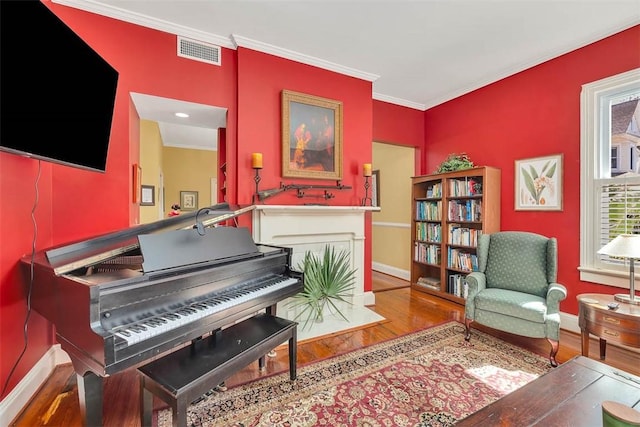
(609,183)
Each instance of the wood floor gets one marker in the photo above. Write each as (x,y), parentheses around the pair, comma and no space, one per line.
(405,311)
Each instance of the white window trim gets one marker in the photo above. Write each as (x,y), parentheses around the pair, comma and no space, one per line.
(593,160)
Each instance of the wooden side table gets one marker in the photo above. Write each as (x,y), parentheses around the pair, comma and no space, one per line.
(619,326)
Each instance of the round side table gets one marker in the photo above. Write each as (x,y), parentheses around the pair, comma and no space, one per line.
(620,325)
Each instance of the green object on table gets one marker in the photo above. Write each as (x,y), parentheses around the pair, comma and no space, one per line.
(615,414)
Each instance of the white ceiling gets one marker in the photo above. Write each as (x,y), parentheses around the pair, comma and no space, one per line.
(417,53)
(198,131)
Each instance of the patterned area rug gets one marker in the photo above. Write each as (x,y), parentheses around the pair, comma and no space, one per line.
(428,378)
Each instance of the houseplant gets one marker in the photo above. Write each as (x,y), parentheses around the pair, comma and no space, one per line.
(328,280)
(455,162)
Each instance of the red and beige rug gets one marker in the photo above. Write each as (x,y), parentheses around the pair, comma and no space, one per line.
(428,378)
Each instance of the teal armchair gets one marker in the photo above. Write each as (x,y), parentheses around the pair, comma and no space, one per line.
(515,289)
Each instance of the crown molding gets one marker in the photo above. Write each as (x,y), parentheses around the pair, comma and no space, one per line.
(146,21)
(399,101)
(229,42)
(248,43)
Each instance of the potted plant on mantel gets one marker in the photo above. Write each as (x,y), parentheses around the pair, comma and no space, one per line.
(328,281)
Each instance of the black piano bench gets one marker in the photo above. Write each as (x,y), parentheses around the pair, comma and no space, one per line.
(181,377)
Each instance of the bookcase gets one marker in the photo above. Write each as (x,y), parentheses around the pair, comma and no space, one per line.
(449,212)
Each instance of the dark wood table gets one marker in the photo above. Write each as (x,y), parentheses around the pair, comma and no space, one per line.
(619,326)
(569,395)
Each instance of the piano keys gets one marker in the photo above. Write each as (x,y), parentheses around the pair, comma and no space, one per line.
(121,299)
(165,320)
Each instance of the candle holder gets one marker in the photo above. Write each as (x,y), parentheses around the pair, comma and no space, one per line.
(366,193)
(256,179)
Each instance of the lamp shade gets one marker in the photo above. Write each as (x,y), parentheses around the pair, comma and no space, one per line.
(623,246)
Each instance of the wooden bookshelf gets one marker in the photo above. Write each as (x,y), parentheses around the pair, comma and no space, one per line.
(449,212)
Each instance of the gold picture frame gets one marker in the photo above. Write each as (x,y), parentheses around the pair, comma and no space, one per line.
(538,185)
(311,136)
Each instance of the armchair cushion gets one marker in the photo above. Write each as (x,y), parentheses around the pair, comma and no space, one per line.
(519,261)
(511,303)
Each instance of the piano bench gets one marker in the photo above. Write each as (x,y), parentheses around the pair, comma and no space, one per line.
(181,377)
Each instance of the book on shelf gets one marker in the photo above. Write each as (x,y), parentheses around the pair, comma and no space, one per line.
(434,190)
(430,282)
(458,285)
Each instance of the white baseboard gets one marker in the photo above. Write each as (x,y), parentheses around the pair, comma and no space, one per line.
(569,322)
(14,402)
(391,271)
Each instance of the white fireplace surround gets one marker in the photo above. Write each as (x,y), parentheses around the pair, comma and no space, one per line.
(311,228)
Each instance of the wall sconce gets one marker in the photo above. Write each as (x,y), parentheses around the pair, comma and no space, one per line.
(366,171)
(256,164)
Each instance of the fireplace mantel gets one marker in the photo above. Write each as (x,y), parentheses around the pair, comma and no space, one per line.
(309,228)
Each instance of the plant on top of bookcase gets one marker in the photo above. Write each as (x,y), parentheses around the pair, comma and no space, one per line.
(455,162)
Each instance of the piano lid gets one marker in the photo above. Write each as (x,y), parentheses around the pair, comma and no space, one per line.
(84,253)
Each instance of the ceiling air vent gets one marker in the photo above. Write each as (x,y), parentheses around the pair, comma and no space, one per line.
(199,51)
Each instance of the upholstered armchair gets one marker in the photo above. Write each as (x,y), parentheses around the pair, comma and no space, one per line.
(515,289)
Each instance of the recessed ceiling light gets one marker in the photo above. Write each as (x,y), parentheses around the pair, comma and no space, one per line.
(182,115)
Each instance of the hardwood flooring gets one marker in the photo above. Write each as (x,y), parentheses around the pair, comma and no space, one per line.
(404,310)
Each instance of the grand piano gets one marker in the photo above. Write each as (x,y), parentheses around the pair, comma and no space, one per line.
(123,298)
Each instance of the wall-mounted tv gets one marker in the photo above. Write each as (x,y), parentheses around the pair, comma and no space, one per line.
(56,93)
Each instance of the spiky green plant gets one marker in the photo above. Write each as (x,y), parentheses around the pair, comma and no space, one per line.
(327,280)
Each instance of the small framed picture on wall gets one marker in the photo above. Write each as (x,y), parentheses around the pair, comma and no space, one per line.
(188,200)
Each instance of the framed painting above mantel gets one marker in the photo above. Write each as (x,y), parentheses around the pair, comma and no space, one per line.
(311,136)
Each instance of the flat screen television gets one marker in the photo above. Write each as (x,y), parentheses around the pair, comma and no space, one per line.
(56,93)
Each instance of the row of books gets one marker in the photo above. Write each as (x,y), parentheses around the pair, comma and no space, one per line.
(465,187)
(457,285)
(429,231)
(461,260)
(465,210)
(463,236)
(424,252)
(429,210)
(434,190)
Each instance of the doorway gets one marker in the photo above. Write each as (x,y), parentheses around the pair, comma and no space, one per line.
(391,235)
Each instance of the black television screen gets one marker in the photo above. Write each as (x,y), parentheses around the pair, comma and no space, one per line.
(56,93)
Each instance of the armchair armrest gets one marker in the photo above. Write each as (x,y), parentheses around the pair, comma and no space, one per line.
(555,294)
(476,282)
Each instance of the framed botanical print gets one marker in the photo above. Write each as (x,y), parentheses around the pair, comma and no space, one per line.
(538,185)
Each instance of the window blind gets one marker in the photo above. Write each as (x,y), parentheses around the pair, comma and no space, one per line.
(619,211)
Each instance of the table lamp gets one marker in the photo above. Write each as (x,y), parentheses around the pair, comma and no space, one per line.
(625,246)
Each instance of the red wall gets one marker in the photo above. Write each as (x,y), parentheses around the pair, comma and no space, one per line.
(261,79)
(394,124)
(534,113)
(75,204)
